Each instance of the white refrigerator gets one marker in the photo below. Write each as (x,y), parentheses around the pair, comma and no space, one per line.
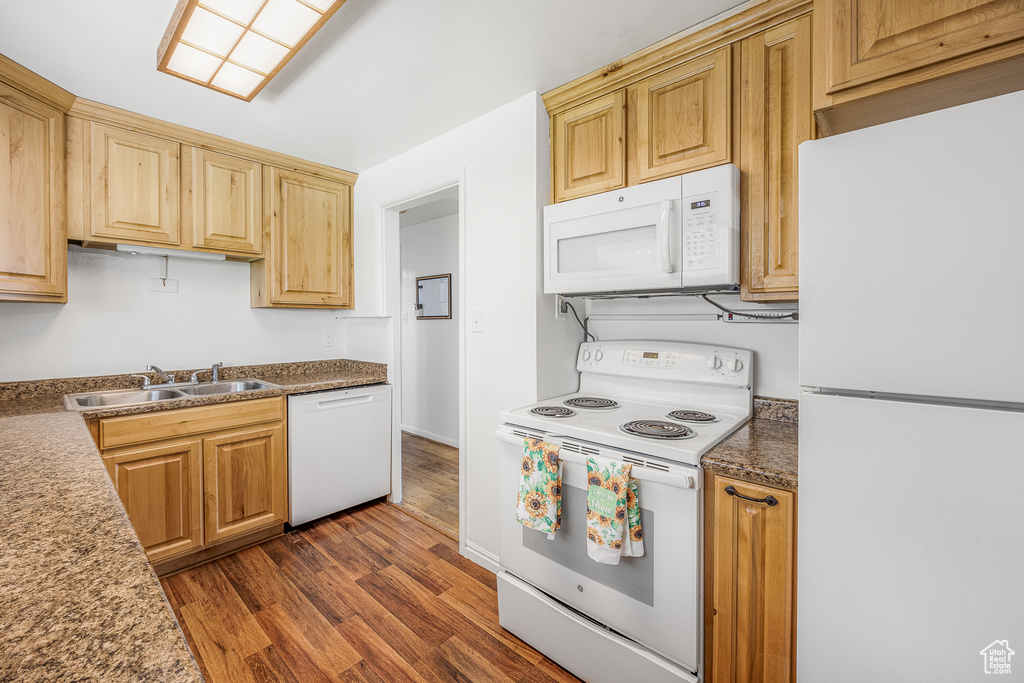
(911,531)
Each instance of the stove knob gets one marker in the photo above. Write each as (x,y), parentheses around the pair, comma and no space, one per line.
(714,362)
(733,365)
(586,355)
(598,355)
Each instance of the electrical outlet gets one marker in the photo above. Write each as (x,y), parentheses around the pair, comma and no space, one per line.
(476,320)
(405,318)
(560,308)
(159,284)
(328,339)
(769,316)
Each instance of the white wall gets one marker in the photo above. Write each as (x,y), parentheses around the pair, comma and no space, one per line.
(114,324)
(503,160)
(774,344)
(430,348)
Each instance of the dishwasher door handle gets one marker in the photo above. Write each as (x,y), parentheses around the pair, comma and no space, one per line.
(342,402)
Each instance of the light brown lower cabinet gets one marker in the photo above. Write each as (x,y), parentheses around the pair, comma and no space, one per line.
(750,582)
(198,482)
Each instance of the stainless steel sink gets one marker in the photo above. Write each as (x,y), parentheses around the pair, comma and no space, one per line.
(126,397)
(226,387)
(118,397)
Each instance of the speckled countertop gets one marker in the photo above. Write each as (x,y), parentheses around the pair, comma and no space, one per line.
(78,598)
(764,450)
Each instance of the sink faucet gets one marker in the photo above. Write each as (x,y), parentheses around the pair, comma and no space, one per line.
(213,370)
(168,379)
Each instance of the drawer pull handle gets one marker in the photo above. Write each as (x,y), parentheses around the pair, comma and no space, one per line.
(770,500)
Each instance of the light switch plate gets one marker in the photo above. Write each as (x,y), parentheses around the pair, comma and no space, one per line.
(476,320)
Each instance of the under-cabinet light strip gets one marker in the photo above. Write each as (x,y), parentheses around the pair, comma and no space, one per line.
(178,253)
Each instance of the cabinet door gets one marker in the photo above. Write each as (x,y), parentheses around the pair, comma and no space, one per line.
(245,481)
(310,255)
(775,117)
(871,39)
(684,117)
(752,549)
(33,241)
(587,147)
(227,203)
(134,181)
(161,491)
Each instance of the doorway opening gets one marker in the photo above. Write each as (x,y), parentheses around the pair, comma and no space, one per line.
(430,321)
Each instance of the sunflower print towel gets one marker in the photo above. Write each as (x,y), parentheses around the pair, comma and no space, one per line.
(540,491)
(613,512)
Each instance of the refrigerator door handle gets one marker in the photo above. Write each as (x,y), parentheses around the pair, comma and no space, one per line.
(768,500)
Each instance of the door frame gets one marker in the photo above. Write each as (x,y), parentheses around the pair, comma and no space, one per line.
(389,209)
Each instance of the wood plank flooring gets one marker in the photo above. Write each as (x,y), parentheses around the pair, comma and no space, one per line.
(368,595)
(430,481)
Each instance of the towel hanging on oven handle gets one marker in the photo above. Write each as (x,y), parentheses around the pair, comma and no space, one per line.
(640,472)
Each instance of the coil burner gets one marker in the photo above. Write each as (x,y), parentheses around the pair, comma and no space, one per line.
(553,411)
(657,429)
(691,416)
(591,403)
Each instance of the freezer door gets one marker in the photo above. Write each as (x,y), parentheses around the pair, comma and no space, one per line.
(911,540)
(911,252)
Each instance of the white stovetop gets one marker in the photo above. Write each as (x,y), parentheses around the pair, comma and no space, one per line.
(602,426)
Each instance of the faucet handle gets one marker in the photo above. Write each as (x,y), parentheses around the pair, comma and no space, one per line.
(145,380)
(195,377)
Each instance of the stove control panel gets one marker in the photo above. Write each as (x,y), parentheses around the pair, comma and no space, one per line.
(667,360)
(651,359)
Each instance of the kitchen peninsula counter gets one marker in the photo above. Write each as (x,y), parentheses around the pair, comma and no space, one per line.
(78,598)
(764,450)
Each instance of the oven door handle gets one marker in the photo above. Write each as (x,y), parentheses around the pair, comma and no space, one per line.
(638,472)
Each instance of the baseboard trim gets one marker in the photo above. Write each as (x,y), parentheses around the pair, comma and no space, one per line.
(484,558)
(454,443)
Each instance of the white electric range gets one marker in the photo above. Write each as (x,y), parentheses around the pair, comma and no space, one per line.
(660,406)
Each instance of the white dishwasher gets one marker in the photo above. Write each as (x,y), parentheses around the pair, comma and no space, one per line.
(339,450)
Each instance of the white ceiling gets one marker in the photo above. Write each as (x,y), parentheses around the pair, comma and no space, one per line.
(380,78)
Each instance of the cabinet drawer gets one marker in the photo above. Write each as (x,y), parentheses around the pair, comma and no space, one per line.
(115,432)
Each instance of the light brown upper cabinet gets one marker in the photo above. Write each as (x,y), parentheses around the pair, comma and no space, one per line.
(133,186)
(683,117)
(775,117)
(881,61)
(308,261)
(225,210)
(33,238)
(587,147)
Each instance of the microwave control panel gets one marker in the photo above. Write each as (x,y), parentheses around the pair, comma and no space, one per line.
(701,237)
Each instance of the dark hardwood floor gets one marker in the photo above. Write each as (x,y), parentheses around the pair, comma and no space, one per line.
(430,481)
(369,595)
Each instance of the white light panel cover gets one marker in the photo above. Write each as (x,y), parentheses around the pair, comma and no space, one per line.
(235,79)
(285,20)
(258,53)
(193,63)
(241,11)
(211,33)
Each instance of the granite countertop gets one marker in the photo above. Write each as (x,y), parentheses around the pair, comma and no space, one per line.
(764,450)
(78,598)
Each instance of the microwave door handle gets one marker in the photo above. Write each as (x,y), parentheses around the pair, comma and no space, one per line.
(662,234)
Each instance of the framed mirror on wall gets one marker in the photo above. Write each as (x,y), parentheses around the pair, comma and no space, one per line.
(434,297)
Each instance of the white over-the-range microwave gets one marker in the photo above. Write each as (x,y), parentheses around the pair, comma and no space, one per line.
(677,234)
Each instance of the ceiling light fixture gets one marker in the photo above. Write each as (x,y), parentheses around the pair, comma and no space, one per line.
(237,46)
